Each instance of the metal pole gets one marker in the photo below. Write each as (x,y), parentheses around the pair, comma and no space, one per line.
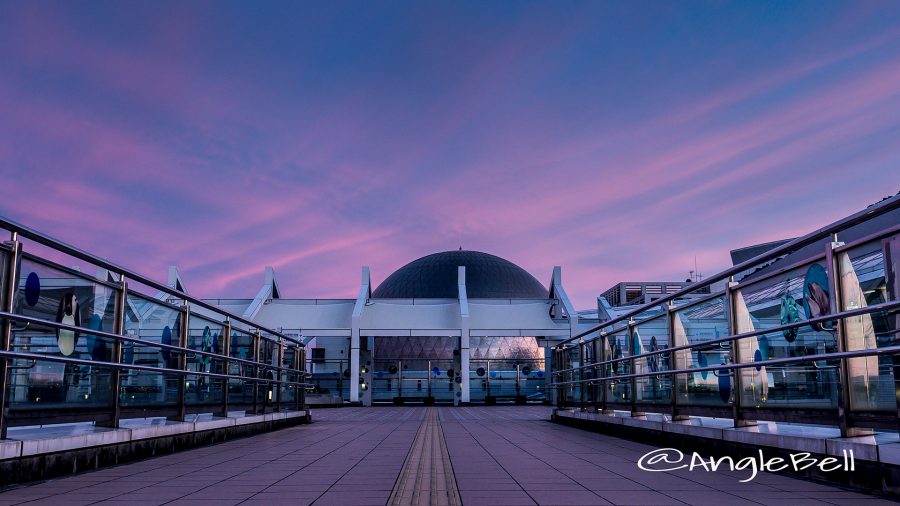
(488,378)
(429,378)
(256,339)
(183,360)
(11,278)
(595,385)
(280,375)
(400,379)
(304,376)
(737,385)
(560,394)
(518,377)
(633,362)
(580,374)
(226,366)
(604,385)
(673,361)
(845,415)
(116,373)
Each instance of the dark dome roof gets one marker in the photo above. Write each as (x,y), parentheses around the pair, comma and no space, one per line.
(435,277)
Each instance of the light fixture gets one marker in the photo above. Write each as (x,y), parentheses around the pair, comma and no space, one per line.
(270,395)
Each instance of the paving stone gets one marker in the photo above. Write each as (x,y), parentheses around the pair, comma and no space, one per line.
(497,456)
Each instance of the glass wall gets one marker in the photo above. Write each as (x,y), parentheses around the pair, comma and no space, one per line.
(789,297)
(692,325)
(651,333)
(63,296)
(868,276)
(157,322)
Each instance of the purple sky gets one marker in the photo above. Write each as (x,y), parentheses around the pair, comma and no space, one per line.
(618,140)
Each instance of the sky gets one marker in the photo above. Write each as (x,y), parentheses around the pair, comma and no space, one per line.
(618,140)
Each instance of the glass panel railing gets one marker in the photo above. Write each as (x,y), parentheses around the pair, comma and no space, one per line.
(571,360)
(593,388)
(206,337)
(693,325)
(289,358)
(162,356)
(240,391)
(268,372)
(864,282)
(791,297)
(387,383)
(154,321)
(652,335)
(67,297)
(617,390)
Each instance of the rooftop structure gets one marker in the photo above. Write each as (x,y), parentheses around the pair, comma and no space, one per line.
(435,277)
(806,338)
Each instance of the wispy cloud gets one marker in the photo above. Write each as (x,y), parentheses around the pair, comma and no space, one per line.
(223,139)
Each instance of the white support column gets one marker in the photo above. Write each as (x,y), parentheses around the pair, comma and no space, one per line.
(548,374)
(354,366)
(369,376)
(365,291)
(565,307)
(558,292)
(463,336)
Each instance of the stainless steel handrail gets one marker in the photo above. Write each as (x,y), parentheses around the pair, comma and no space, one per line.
(119,365)
(73,251)
(884,306)
(878,209)
(110,335)
(743,365)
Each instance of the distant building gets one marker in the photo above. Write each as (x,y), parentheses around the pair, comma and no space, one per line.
(631,293)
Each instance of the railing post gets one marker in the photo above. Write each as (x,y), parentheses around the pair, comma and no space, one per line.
(183,337)
(594,384)
(558,364)
(634,381)
(300,367)
(673,361)
(256,338)
(845,415)
(604,345)
(115,381)
(429,379)
(400,379)
(890,248)
(226,366)
(279,374)
(553,389)
(11,280)
(581,374)
(737,388)
(488,376)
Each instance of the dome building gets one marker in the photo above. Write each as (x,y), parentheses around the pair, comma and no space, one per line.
(456,326)
(436,277)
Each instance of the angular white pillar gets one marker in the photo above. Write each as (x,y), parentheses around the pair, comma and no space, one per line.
(365,291)
(354,366)
(368,359)
(548,374)
(463,336)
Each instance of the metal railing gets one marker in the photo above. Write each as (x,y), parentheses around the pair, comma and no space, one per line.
(834,362)
(137,355)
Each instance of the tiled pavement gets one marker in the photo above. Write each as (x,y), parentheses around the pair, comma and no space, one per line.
(499,455)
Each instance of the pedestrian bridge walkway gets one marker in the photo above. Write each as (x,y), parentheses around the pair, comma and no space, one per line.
(422,455)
